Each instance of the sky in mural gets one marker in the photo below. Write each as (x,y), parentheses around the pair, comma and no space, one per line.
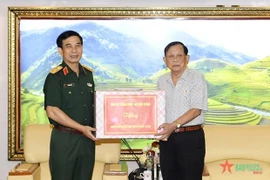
(250,37)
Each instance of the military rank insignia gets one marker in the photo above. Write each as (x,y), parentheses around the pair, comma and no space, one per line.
(56,69)
(65,70)
(88,68)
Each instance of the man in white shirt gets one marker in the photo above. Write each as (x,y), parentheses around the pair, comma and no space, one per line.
(182,141)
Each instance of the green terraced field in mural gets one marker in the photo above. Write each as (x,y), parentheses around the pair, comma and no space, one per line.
(219,113)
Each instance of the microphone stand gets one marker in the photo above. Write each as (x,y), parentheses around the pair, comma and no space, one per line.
(132,152)
(136,172)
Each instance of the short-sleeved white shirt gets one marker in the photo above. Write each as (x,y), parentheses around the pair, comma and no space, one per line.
(189,92)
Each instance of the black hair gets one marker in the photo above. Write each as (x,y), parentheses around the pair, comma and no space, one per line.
(65,35)
(175,43)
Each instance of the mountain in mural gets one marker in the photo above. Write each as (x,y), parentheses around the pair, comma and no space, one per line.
(114,56)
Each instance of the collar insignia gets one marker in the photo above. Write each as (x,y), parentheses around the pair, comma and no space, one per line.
(65,70)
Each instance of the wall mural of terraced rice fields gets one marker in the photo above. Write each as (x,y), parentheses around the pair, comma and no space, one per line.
(128,53)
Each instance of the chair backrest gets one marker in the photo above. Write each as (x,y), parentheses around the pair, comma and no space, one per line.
(37,143)
(245,142)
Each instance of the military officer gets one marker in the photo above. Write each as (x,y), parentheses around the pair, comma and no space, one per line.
(69,103)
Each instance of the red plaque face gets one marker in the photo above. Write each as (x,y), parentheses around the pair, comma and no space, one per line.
(129,114)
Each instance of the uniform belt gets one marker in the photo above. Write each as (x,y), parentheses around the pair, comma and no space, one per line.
(188,128)
(66,129)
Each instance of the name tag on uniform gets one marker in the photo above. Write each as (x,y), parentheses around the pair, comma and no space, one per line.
(69,85)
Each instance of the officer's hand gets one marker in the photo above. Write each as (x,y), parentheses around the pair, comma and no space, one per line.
(164,131)
(89,132)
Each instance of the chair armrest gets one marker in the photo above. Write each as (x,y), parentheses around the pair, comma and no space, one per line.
(25,171)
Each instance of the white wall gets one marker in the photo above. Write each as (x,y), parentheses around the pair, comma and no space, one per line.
(6,165)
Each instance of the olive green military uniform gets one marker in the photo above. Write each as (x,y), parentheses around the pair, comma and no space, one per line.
(71,155)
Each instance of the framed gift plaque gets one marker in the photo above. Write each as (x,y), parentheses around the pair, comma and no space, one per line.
(129,114)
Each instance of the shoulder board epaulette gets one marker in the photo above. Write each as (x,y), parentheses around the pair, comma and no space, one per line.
(88,68)
(56,69)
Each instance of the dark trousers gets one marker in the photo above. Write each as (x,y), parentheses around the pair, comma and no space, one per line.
(72,156)
(182,156)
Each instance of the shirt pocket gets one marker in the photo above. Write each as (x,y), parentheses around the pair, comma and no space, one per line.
(90,94)
(186,96)
(69,97)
